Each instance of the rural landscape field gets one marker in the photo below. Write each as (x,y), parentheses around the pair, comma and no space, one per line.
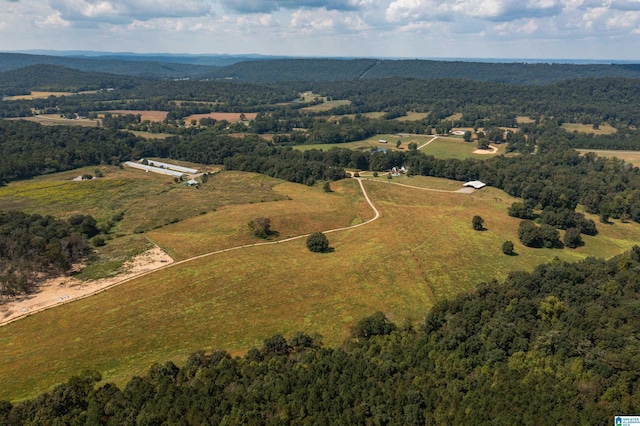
(216,250)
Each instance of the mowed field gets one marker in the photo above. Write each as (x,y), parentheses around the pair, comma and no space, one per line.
(451,147)
(632,157)
(420,250)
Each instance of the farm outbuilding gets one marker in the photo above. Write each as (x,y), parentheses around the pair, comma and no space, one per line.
(153,169)
(476,184)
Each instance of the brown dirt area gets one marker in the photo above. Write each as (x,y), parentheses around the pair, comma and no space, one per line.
(60,290)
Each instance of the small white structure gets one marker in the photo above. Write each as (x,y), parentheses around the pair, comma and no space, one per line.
(382,140)
(170,166)
(191,182)
(476,184)
(146,168)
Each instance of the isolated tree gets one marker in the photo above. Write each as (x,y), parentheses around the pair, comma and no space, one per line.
(467,136)
(260,227)
(572,238)
(375,174)
(507,248)
(398,143)
(413,146)
(317,242)
(327,187)
(477,223)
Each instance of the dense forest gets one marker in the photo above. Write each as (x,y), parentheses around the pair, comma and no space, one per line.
(558,345)
(33,247)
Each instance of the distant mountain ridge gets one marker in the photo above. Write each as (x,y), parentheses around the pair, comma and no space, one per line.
(142,68)
(261,69)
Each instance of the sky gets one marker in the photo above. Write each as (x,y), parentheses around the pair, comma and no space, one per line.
(509,29)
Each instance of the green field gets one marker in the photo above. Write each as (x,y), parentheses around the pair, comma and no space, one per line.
(441,147)
(604,129)
(632,157)
(422,249)
(452,147)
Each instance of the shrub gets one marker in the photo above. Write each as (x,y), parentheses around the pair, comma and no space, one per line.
(507,248)
(477,222)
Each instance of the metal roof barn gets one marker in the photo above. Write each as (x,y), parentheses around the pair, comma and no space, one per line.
(154,169)
(172,167)
(475,184)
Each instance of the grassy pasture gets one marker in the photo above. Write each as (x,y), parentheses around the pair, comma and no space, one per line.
(144,115)
(377,114)
(454,117)
(149,135)
(56,120)
(37,95)
(524,119)
(632,157)
(452,147)
(326,105)
(605,128)
(231,117)
(422,249)
(303,211)
(413,116)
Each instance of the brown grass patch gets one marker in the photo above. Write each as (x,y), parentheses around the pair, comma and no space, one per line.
(144,115)
(231,117)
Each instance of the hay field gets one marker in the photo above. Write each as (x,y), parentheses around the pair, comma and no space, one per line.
(632,157)
(422,249)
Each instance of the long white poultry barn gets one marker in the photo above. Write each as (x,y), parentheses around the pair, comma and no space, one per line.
(154,169)
(172,167)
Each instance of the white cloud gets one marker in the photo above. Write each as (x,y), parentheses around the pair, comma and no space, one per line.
(322,21)
(122,11)
(53,20)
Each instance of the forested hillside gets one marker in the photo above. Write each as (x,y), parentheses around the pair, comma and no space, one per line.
(56,78)
(558,345)
(12,61)
(338,70)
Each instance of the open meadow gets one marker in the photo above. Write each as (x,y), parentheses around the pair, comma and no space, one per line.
(603,129)
(57,120)
(632,157)
(420,250)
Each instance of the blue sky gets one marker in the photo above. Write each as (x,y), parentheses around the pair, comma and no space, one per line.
(544,29)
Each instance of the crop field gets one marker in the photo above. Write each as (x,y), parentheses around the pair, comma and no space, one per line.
(231,117)
(420,250)
(604,129)
(144,115)
(632,157)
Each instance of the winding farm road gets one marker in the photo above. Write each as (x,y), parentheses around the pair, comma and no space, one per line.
(54,303)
